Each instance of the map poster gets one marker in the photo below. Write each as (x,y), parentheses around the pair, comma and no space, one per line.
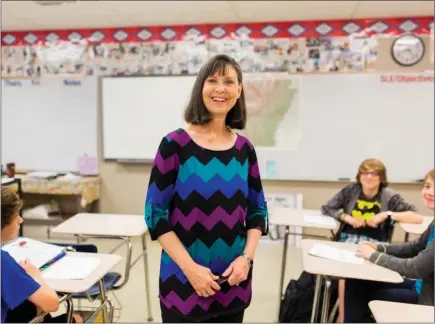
(273,109)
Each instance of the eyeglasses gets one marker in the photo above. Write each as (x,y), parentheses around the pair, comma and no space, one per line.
(372,173)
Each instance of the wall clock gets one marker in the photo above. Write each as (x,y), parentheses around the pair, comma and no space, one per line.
(408,50)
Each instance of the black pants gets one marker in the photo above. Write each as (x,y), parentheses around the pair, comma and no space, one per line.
(27,311)
(358,293)
(169,316)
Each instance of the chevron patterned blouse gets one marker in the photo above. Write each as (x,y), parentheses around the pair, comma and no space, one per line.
(209,199)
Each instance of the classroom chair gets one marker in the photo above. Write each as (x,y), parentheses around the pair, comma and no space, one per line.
(109,280)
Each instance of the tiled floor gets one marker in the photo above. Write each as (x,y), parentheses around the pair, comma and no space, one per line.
(264,306)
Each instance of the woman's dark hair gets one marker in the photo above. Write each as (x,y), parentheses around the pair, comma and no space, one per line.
(197,113)
(11,205)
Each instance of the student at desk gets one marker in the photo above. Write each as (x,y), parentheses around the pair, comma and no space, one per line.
(412,260)
(23,290)
(368,210)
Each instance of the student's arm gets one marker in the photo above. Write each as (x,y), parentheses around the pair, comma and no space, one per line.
(408,249)
(18,285)
(45,298)
(417,267)
(402,211)
(159,196)
(335,205)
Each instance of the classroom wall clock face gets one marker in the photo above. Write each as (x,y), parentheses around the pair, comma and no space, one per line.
(408,50)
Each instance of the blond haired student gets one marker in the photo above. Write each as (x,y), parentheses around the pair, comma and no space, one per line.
(23,290)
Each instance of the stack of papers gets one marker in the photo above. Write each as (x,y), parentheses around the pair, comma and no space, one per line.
(319,220)
(71,268)
(38,253)
(42,175)
(70,176)
(336,254)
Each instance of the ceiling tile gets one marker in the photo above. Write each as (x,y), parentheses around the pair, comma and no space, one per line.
(293,10)
(381,9)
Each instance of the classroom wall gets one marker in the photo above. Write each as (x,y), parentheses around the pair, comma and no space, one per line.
(124,186)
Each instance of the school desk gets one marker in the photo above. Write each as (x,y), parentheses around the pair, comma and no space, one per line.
(416,228)
(390,312)
(326,269)
(288,217)
(117,227)
(70,287)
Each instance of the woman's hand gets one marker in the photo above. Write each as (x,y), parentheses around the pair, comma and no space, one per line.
(365,251)
(237,271)
(202,280)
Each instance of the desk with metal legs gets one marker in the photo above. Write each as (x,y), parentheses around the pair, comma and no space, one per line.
(116,227)
(68,287)
(416,228)
(326,269)
(289,217)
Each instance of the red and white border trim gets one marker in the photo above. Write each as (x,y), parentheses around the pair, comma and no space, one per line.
(332,28)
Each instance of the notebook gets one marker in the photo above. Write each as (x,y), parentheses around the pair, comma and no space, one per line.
(71,268)
(39,253)
(336,254)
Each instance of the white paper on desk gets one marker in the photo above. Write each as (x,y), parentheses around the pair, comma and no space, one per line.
(319,220)
(38,253)
(336,254)
(7,180)
(71,268)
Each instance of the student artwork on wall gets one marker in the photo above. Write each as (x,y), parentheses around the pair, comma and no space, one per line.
(294,47)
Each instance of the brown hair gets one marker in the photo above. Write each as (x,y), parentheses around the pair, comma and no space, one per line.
(375,165)
(11,205)
(197,113)
(429,175)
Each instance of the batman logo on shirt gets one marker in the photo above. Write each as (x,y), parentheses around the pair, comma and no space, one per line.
(366,209)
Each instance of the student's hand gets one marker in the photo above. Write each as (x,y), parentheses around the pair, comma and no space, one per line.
(371,244)
(30,268)
(202,280)
(354,222)
(237,271)
(365,251)
(377,219)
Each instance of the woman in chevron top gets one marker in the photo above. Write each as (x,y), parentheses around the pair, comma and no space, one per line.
(205,203)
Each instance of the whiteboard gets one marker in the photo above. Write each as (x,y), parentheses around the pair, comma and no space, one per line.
(48,124)
(343,119)
(138,112)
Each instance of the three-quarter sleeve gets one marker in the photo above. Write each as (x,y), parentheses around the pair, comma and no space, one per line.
(161,189)
(257,213)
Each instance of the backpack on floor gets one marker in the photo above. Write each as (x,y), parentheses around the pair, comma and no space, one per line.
(298,299)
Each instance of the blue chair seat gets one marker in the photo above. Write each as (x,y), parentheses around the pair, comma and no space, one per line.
(109,280)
